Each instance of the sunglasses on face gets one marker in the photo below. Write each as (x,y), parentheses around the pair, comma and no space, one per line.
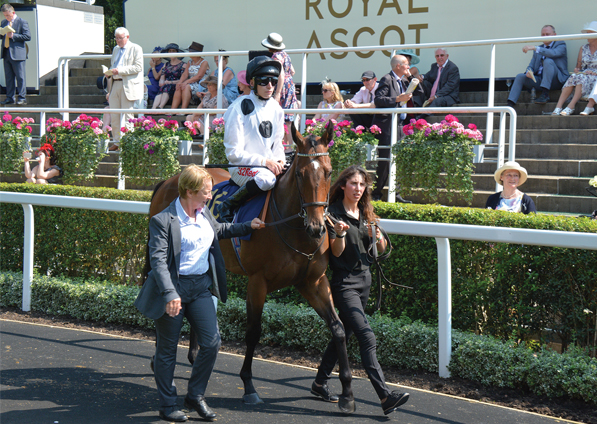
(266,80)
(325,90)
(366,79)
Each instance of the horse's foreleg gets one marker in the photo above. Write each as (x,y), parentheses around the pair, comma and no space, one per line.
(319,296)
(255,299)
(193,347)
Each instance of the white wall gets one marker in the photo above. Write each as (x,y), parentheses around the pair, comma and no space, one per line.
(66,32)
(242,24)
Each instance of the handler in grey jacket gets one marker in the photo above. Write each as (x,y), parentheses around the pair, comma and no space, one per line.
(183,246)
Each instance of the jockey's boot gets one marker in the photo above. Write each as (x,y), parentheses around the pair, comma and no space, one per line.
(231,204)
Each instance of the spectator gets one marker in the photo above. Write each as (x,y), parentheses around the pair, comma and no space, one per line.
(442,82)
(195,71)
(413,59)
(154,74)
(363,99)
(511,175)
(126,82)
(332,99)
(229,81)
(548,69)
(14,53)
(209,101)
(592,100)
(243,86)
(46,171)
(418,97)
(285,90)
(389,94)
(351,238)
(183,240)
(584,77)
(171,76)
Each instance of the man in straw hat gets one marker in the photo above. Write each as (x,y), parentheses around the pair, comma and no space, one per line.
(253,136)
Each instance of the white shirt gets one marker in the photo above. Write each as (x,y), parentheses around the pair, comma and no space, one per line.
(364,95)
(195,240)
(244,142)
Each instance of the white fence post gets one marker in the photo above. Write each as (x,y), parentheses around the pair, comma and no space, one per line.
(28,255)
(444,304)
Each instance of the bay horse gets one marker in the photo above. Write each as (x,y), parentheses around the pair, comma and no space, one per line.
(292,253)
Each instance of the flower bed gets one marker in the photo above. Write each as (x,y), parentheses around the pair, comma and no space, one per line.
(14,140)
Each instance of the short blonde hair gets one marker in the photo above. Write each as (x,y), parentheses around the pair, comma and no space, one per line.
(337,96)
(192,178)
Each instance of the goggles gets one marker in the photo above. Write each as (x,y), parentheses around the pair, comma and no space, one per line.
(263,81)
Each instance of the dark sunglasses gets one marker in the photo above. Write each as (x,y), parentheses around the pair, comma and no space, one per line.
(366,79)
(325,90)
(266,80)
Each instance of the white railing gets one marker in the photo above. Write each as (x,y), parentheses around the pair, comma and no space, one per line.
(63,91)
(441,232)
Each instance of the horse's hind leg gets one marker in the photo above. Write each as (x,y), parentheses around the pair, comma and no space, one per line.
(319,296)
(255,299)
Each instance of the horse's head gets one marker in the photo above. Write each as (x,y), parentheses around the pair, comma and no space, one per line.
(313,173)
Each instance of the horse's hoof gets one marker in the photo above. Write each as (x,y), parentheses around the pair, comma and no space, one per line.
(252,399)
(347,406)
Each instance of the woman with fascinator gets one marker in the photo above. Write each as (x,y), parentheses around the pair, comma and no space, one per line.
(46,171)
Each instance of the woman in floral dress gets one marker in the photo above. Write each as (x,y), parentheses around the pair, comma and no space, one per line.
(171,75)
(584,77)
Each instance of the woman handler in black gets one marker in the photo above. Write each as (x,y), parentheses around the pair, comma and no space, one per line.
(350,239)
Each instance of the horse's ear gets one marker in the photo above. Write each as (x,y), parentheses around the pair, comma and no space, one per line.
(328,134)
(296,136)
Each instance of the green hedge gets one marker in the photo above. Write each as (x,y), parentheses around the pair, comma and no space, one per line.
(513,292)
(401,343)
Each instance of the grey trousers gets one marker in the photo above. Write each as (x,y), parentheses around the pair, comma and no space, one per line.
(199,309)
(548,80)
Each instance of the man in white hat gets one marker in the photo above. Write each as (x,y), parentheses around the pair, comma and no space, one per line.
(126,85)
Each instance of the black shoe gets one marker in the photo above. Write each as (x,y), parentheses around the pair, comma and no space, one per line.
(542,99)
(21,102)
(399,199)
(511,103)
(231,204)
(173,414)
(393,401)
(323,392)
(201,407)
(6,102)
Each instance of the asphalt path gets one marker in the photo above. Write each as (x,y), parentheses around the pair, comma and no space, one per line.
(56,375)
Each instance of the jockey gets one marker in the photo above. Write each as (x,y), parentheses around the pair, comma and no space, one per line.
(253,136)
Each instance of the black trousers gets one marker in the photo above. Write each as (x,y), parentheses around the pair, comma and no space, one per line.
(350,297)
(362,119)
(199,309)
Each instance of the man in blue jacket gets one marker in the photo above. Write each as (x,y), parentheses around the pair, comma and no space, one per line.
(548,69)
(14,53)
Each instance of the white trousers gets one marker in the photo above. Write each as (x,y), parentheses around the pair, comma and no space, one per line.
(118,100)
(265,179)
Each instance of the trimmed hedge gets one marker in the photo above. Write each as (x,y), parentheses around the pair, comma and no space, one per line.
(401,343)
(512,292)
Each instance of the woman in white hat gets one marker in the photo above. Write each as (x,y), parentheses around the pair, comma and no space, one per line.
(511,175)
(584,77)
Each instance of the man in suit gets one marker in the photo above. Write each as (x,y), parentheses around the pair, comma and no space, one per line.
(442,82)
(548,69)
(14,53)
(363,99)
(185,255)
(127,81)
(389,94)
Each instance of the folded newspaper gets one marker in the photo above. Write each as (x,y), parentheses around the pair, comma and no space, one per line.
(107,72)
(532,76)
(5,30)
(411,87)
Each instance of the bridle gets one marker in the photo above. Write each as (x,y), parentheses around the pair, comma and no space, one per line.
(302,212)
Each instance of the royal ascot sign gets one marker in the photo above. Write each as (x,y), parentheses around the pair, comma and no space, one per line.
(365,35)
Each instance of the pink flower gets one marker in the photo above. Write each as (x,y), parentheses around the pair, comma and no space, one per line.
(7,117)
(408,129)
(161,121)
(472,127)
(451,118)
(94,124)
(375,129)
(150,152)
(108,128)
(338,133)
(124,130)
(28,128)
(217,121)
(330,144)
(420,124)
(309,122)
(97,131)
(146,146)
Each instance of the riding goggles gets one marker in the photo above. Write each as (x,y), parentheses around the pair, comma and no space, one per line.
(266,80)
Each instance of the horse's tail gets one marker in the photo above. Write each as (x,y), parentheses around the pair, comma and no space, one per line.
(147,266)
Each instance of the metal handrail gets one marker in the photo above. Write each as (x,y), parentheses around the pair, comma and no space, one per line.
(440,231)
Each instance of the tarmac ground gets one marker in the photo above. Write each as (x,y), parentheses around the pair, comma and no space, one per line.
(54,375)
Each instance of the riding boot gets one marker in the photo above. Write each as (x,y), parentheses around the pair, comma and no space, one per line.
(231,204)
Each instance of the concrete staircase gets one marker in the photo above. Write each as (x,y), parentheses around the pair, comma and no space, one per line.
(560,153)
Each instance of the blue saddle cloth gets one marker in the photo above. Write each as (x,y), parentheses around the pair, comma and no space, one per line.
(251,209)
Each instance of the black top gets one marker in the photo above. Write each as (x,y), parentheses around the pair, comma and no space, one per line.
(353,260)
(527,204)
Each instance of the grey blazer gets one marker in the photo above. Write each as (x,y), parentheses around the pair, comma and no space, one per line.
(164,252)
(558,53)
